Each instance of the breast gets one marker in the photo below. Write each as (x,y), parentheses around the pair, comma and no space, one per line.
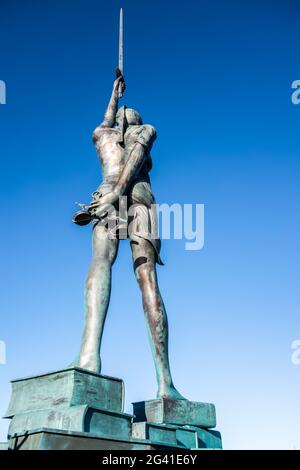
(110,152)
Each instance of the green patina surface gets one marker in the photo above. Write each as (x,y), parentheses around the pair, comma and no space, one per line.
(72,400)
(68,387)
(75,407)
(181,412)
(51,439)
(207,438)
(172,435)
(74,418)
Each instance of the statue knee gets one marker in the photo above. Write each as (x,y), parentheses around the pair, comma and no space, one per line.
(140,261)
(100,267)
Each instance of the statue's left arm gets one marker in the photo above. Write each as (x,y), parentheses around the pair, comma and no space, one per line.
(136,159)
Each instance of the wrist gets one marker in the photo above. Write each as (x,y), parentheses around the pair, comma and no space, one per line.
(115,90)
(117,191)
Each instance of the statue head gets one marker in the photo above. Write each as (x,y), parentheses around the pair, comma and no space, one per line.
(127,117)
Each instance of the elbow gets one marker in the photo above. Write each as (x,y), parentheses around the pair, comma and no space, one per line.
(95,136)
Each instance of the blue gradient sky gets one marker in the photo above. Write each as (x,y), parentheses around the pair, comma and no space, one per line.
(215,79)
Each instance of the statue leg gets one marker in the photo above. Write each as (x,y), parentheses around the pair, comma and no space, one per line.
(145,271)
(97,295)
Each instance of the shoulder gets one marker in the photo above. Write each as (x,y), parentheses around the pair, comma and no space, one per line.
(145,134)
(97,133)
(148,130)
(101,130)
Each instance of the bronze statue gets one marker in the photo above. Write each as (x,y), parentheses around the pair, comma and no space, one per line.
(123,144)
(77,407)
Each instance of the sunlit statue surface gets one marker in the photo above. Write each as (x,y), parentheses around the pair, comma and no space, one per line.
(123,144)
(76,407)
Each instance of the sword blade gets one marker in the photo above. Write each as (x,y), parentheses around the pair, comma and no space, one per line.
(121,41)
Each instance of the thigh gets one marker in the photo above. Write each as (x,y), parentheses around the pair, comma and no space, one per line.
(104,246)
(143,231)
(142,252)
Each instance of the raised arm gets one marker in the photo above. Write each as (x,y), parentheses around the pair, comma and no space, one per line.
(112,108)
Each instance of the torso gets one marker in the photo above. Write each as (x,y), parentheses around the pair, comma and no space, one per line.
(113,157)
(110,151)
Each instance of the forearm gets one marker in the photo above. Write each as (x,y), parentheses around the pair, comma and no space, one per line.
(111,110)
(131,168)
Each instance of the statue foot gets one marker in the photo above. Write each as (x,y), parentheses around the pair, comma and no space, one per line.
(91,364)
(169,392)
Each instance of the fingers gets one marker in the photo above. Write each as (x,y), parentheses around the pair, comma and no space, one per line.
(100,211)
(94,203)
(120,79)
(120,82)
(93,210)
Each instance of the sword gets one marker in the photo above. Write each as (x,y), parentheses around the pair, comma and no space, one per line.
(84,216)
(119,70)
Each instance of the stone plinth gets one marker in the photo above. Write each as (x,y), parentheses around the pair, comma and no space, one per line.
(67,387)
(69,400)
(51,439)
(168,434)
(77,409)
(180,412)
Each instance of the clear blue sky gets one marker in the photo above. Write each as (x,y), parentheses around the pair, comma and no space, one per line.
(215,79)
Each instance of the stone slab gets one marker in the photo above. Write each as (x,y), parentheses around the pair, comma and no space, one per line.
(67,387)
(180,412)
(74,408)
(166,434)
(74,418)
(105,423)
(46,439)
(207,438)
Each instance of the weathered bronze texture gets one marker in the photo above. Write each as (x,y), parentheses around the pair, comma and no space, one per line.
(123,144)
(180,412)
